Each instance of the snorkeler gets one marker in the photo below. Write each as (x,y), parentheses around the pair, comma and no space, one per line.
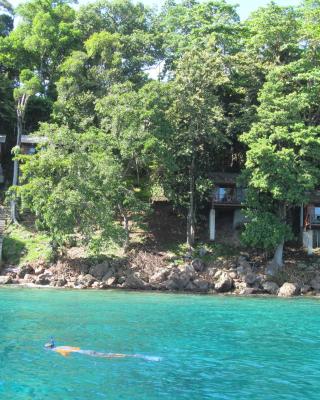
(67,350)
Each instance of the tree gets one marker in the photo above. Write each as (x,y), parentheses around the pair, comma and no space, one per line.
(6,18)
(199,122)
(283,153)
(121,116)
(75,187)
(29,86)
(273,35)
(191,24)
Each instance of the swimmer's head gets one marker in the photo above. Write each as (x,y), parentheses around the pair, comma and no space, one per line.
(50,345)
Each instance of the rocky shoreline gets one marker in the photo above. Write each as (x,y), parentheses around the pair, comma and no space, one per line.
(236,276)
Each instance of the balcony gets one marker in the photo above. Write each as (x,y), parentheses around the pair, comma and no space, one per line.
(315,220)
(229,196)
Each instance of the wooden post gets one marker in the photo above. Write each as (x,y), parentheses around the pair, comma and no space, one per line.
(212,224)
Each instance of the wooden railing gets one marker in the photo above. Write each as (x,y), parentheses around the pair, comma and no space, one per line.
(229,196)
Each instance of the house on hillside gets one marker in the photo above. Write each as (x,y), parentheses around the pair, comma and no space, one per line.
(310,222)
(226,213)
(226,205)
(29,143)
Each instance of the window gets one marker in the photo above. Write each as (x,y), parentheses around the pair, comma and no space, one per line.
(317,214)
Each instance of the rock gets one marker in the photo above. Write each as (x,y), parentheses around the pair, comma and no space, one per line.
(121,280)
(270,287)
(243,263)
(211,271)
(305,289)
(83,268)
(159,276)
(181,280)
(288,290)
(111,281)
(188,270)
(217,274)
(198,265)
(224,283)
(201,284)
(24,270)
(233,275)
(191,286)
(315,283)
(250,278)
(5,280)
(61,282)
(85,280)
(248,291)
(42,279)
(170,285)
(29,278)
(108,275)
(95,285)
(100,270)
(134,282)
(39,270)
(272,268)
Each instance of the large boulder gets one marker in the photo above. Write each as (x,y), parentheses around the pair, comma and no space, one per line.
(43,279)
(85,280)
(191,287)
(250,278)
(201,284)
(315,283)
(5,280)
(28,278)
(160,276)
(100,270)
(134,282)
(198,265)
(110,282)
(288,290)
(25,269)
(305,289)
(189,270)
(61,282)
(224,283)
(182,280)
(110,273)
(270,287)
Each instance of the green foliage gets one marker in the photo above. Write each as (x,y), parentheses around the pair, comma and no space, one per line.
(273,34)
(265,230)
(75,187)
(229,96)
(22,245)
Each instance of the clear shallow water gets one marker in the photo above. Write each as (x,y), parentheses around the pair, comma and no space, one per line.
(211,347)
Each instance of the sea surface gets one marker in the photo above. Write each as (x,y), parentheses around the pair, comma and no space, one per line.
(210,347)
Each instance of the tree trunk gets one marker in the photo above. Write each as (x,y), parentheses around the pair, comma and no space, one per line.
(278,256)
(191,211)
(15,180)
(125,224)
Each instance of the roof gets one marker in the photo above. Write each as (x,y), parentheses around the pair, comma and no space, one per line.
(221,178)
(29,139)
(3,138)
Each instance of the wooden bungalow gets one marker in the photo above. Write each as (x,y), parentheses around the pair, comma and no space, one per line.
(29,143)
(227,202)
(310,222)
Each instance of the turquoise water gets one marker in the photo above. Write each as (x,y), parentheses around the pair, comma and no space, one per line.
(211,347)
